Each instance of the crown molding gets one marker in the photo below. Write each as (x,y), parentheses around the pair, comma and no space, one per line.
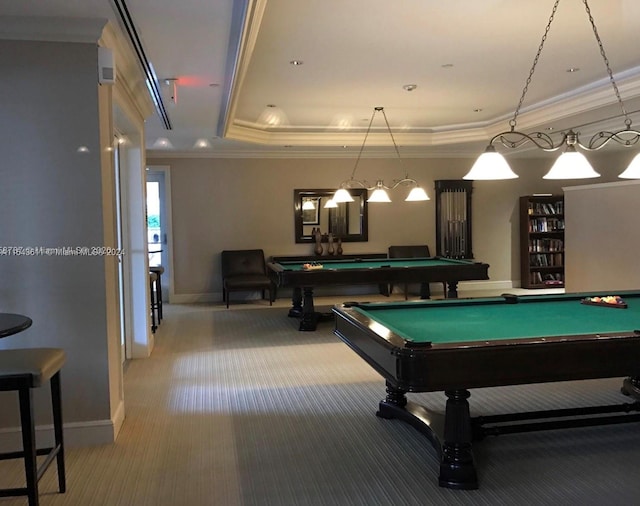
(253,13)
(559,110)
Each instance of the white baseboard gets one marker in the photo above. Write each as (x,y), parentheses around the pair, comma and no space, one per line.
(195,298)
(76,434)
(476,286)
(479,286)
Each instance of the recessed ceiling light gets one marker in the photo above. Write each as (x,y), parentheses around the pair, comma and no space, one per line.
(477,109)
(296,62)
(202,143)
(410,87)
(162,143)
(573,69)
(447,65)
(214,85)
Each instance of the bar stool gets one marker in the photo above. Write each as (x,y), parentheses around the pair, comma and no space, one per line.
(21,370)
(159,270)
(153,279)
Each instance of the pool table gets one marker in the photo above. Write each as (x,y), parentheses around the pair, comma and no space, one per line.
(454,345)
(375,271)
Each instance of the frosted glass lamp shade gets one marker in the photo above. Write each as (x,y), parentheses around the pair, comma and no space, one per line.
(417,194)
(633,170)
(490,165)
(342,195)
(571,165)
(379,195)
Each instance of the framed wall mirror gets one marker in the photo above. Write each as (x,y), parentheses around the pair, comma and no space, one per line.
(348,220)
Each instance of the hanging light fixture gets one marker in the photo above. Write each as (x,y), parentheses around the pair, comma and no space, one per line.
(571,164)
(380,189)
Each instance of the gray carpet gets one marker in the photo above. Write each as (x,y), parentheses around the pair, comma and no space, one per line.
(236,407)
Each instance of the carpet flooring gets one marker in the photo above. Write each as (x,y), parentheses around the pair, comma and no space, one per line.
(237,407)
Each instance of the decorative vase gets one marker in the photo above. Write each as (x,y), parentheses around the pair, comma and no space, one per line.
(339,250)
(318,238)
(330,250)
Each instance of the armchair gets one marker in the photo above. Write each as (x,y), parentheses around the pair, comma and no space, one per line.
(244,271)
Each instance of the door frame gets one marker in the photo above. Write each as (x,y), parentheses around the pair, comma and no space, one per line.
(122,233)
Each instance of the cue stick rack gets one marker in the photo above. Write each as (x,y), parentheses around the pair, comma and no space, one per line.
(453,218)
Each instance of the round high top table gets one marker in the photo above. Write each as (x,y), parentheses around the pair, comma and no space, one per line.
(11,323)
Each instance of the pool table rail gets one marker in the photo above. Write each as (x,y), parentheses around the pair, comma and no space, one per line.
(473,364)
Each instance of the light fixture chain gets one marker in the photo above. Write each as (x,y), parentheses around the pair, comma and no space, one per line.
(353,173)
(606,62)
(395,146)
(533,67)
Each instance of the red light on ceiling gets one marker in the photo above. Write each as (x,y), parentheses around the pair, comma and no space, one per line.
(194,81)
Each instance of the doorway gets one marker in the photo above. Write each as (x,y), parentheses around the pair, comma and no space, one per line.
(159,224)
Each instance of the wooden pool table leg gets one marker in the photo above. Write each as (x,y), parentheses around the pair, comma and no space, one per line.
(457,469)
(631,387)
(296,303)
(450,434)
(309,317)
(425,291)
(452,292)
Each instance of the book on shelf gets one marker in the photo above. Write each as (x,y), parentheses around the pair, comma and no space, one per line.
(546,260)
(546,224)
(545,245)
(555,207)
(538,278)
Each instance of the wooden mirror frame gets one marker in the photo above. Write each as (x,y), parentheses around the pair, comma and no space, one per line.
(362,215)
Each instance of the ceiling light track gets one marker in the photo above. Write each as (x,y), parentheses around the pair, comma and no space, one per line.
(151,78)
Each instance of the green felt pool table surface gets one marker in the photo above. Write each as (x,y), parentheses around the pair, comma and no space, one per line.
(377,263)
(489,319)
(380,271)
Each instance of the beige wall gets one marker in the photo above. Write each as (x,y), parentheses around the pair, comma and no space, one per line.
(602,237)
(58,197)
(52,197)
(226,203)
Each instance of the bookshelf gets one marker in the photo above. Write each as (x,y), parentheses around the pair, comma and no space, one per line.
(542,241)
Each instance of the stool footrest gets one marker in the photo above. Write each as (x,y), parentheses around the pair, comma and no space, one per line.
(51,454)
(20,454)
(13,492)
